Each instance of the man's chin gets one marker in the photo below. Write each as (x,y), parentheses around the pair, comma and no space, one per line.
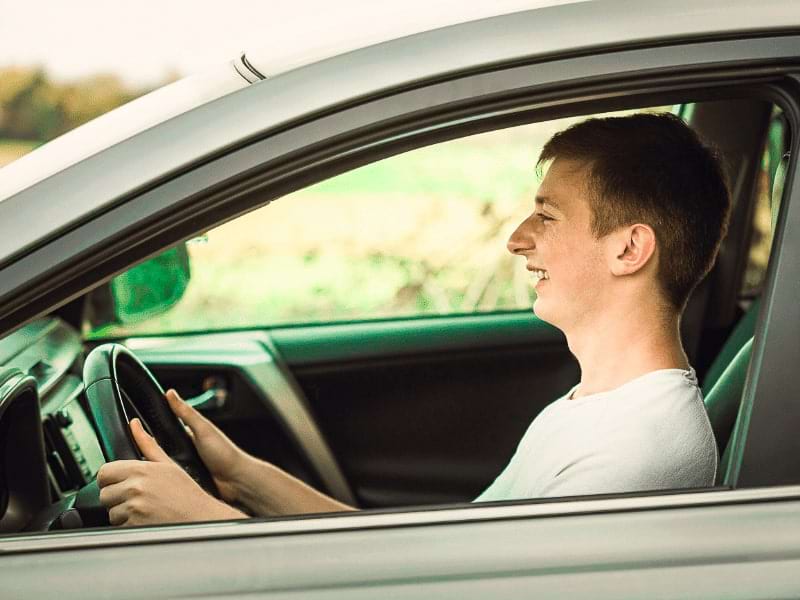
(540,309)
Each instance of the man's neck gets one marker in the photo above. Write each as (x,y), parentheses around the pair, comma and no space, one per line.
(622,346)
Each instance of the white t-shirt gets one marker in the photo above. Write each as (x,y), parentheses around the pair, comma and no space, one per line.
(650,433)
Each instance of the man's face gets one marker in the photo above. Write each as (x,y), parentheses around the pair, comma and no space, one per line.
(557,242)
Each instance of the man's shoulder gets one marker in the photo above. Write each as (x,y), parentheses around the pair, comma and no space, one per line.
(671,391)
(658,414)
(667,426)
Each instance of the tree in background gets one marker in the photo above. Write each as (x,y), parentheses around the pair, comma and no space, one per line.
(28,105)
(34,108)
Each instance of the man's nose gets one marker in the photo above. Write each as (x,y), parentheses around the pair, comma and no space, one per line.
(522,239)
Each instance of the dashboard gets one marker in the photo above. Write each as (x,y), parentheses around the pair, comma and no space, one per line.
(50,450)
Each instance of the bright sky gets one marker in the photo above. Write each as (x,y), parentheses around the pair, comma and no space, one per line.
(146,40)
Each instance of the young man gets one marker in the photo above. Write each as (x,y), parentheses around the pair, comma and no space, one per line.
(627,220)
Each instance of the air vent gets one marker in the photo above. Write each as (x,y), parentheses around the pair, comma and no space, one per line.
(55,463)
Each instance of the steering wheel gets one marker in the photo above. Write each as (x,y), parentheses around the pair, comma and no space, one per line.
(119,388)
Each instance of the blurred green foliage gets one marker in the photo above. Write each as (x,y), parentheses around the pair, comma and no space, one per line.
(13,149)
(34,107)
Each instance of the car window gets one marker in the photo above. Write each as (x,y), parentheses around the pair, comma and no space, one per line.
(420,233)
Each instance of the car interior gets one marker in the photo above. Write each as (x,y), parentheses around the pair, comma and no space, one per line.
(392,413)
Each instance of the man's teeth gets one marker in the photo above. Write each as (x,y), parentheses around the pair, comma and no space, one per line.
(541,274)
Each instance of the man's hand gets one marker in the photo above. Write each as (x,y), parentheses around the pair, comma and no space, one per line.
(156,490)
(222,457)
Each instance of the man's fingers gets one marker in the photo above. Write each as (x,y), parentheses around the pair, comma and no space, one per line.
(118,515)
(114,472)
(114,494)
(183,411)
(147,443)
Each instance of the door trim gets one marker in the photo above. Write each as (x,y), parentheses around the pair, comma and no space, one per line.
(364,520)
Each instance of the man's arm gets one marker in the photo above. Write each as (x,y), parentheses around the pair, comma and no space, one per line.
(258,485)
(267,491)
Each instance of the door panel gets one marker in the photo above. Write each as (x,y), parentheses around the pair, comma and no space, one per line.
(432,429)
(428,410)
(708,545)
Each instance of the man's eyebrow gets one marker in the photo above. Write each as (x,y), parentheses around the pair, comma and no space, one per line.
(546,200)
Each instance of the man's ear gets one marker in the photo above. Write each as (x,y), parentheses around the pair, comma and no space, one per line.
(632,248)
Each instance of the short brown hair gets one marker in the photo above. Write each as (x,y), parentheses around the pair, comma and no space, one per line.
(653,169)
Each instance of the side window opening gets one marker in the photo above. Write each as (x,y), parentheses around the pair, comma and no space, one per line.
(421,233)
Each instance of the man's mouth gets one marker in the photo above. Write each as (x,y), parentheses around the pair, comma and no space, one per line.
(539,275)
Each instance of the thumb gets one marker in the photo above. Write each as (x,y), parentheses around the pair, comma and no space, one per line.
(147,443)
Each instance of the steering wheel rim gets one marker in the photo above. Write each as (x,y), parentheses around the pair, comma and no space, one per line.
(119,388)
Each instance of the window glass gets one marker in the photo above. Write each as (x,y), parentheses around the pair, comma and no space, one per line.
(420,233)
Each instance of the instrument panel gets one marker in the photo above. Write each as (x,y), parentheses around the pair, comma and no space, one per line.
(74,455)
(49,447)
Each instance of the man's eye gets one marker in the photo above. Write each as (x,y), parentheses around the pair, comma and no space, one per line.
(542,217)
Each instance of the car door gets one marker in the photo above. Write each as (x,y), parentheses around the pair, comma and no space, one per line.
(682,543)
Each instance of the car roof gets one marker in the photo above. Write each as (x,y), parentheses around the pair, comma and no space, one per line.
(70,190)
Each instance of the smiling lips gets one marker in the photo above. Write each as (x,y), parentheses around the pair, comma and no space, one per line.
(538,275)
(541,274)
